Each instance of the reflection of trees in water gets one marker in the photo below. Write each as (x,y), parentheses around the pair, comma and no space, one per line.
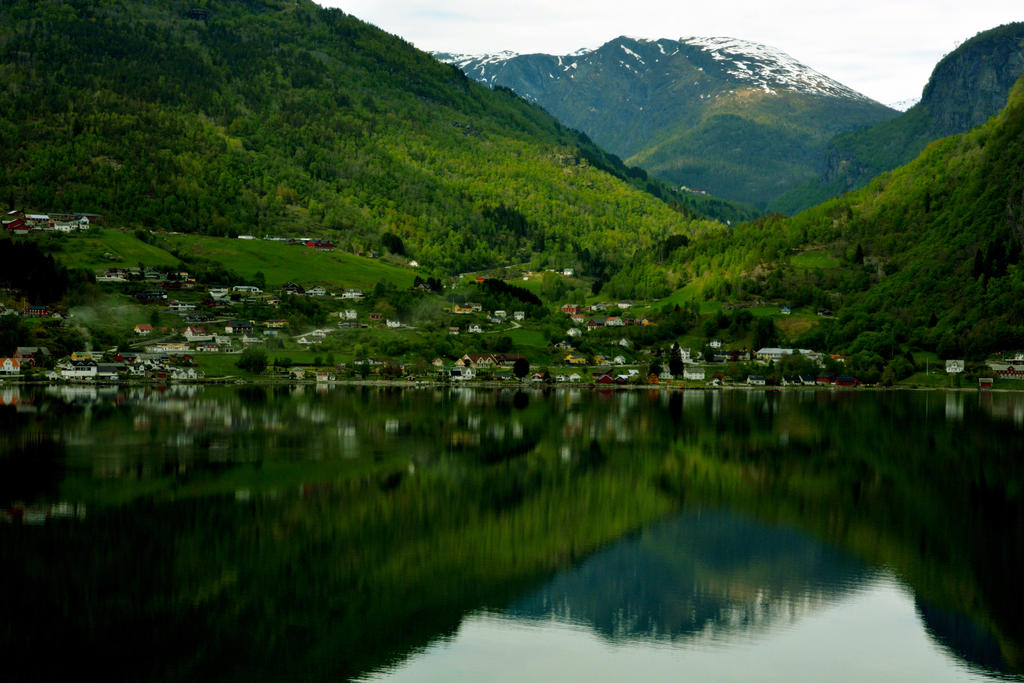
(700,573)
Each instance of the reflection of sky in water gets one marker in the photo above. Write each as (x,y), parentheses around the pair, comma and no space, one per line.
(702,596)
(873,634)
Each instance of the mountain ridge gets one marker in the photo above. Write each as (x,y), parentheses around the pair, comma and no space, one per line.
(736,118)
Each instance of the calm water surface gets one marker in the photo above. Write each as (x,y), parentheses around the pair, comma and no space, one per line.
(308,533)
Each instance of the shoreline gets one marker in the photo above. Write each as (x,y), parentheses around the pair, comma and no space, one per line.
(273,381)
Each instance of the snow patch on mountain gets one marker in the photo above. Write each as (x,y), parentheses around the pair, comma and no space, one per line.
(758,66)
(904,105)
(773,68)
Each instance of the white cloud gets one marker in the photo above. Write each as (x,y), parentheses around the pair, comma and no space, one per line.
(884,49)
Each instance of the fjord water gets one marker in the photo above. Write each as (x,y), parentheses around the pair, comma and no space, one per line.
(308,533)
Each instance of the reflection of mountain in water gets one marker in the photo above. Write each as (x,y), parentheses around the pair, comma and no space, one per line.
(706,573)
(963,638)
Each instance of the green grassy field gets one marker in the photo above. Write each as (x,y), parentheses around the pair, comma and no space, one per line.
(100,249)
(281,262)
(814,259)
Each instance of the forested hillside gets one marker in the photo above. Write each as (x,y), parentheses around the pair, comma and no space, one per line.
(927,256)
(267,116)
(967,86)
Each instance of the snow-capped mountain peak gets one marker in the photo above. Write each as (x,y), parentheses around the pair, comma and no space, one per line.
(738,61)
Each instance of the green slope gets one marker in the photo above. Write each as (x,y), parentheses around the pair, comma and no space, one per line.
(927,256)
(287,118)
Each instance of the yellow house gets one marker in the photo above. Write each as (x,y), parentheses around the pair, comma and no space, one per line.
(576,360)
(462,309)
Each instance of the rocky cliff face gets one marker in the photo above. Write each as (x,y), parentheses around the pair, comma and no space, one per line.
(971,84)
(966,88)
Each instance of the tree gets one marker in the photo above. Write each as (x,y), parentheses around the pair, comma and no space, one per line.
(521,367)
(253,360)
(764,333)
(675,360)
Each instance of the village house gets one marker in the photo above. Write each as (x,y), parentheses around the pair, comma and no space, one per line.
(453,330)
(500,314)
(519,315)
(293,288)
(614,321)
(461,374)
(694,373)
(474,329)
(10,366)
(79,369)
(393,323)
(194,333)
(571,359)
(462,310)
(715,343)
(180,306)
(570,309)
(247,289)
(350,314)
(624,305)
(755,380)
(143,329)
(353,294)
(574,332)
(238,327)
(31,355)
(316,291)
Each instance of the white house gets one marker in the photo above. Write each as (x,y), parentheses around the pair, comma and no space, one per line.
(694,373)
(619,360)
(10,366)
(79,369)
(350,314)
(474,329)
(354,294)
(247,289)
(500,314)
(194,334)
(461,374)
(316,291)
(519,315)
(755,380)
(574,332)
(394,323)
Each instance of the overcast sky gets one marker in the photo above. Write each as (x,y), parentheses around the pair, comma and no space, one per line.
(885,50)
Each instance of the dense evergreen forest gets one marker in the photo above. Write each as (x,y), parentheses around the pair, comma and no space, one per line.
(281,117)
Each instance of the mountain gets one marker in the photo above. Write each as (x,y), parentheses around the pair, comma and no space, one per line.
(741,120)
(966,88)
(282,117)
(927,256)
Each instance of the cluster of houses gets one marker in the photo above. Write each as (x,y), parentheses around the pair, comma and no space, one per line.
(31,311)
(90,366)
(20,223)
(583,317)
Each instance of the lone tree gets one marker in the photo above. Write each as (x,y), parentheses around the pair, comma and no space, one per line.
(521,367)
(675,360)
